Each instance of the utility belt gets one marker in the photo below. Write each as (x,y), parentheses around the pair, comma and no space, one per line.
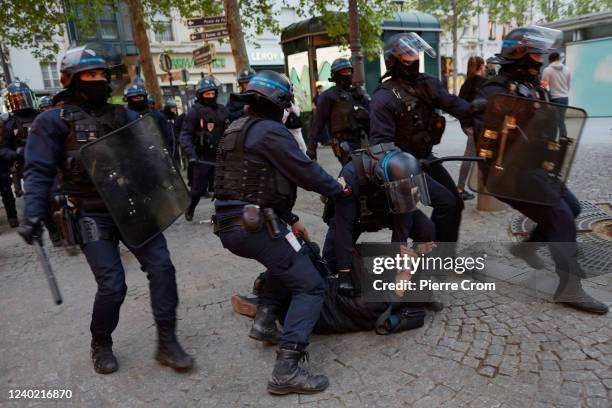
(77,230)
(252,219)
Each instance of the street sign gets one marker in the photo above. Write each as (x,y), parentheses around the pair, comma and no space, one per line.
(185,75)
(209,35)
(165,62)
(204,55)
(205,21)
(171,76)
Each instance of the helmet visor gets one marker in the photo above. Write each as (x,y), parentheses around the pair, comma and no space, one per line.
(21,100)
(403,195)
(537,39)
(411,44)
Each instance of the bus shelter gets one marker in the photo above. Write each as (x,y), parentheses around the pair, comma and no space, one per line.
(309,53)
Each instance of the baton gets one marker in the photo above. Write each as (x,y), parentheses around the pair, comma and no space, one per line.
(46,265)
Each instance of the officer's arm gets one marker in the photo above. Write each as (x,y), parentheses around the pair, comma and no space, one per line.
(382,116)
(284,153)
(321,116)
(344,220)
(43,155)
(189,126)
(452,104)
(7,153)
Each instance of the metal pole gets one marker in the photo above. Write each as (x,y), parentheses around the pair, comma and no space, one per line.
(5,67)
(355,41)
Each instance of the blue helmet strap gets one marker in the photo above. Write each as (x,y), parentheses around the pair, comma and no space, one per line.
(385,164)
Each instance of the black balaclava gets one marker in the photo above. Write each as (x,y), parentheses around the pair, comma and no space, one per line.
(519,71)
(170,114)
(263,108)
(343,81)
(138,106)
(408,71)
(207,101)
(93,94)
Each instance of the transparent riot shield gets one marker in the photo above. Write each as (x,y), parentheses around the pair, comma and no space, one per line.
(529,146)
(133,171)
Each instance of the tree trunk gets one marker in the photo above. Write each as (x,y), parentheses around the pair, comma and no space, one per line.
(355,40)
(455,40)
(236,35)
(141,40)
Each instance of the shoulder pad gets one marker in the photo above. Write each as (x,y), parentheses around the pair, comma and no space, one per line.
(71,113)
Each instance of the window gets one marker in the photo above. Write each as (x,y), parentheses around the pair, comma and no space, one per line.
(50,75)
(163,29)
(108,24)
(492,30)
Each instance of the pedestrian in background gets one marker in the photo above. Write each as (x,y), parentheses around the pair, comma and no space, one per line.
(558,78)
(475,78)
(291,119)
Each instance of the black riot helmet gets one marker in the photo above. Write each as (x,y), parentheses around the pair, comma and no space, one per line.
(400,174)
(85,58)
(268,95)
(402,54)
(523,50)
(337,68)
(18,96)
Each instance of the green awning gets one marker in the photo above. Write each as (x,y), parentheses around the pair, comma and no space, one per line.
(404,21)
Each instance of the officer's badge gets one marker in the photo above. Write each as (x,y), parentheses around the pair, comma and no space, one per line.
(210,126)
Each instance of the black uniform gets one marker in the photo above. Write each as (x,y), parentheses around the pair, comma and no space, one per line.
(404,113)
(56,137)
(260,163)
(345,112)
(201,130)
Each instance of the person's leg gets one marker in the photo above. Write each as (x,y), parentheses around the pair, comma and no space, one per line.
(295,272)
(470,151)
(446,202)
(198,187)
(102,254)
(561,114)
(8,199)
(155,261)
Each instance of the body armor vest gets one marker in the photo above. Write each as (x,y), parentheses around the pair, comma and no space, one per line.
(518,89)
(249,177)
(85,128)
(212,122)
(21,129)
(415,121)
(349,118)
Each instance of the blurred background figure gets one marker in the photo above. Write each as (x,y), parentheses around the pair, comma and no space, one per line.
(475,79)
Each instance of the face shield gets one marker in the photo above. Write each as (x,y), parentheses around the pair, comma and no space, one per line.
(408,44)
(404,195)
(20,100)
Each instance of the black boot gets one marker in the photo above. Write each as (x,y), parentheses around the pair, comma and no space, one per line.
(169,351)
(288,377)
(13,222)
(189,213)
(264,326)
(104,360)
(571,293)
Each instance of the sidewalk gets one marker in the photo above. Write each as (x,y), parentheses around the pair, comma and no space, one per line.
(499,349)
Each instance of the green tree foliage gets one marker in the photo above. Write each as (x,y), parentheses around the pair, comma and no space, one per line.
(335,17)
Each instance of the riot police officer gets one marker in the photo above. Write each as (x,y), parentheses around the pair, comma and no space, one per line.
(386,186)
(259,166)
(236,106)
(170,111)
(137,100)
(46,102)
(202,128)
(57,136)
(344,109)
(21,104)
(403,111)
(520,61)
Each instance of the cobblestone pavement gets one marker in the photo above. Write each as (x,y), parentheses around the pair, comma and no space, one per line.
(491,349)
